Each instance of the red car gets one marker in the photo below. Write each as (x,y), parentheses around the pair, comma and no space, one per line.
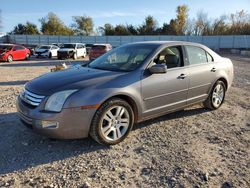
(98,50)
(11,52)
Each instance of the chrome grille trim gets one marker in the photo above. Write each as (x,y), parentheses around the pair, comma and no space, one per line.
(25,118)
(31,98)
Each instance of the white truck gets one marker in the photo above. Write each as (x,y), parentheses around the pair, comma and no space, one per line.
(72,50)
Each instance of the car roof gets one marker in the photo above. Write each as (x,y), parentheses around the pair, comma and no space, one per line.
(47,45)
(102,44)
(169,42)
(73,43)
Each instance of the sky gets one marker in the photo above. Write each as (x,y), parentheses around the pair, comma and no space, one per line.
(111,11)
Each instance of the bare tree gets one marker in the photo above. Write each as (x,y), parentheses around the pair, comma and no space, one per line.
(202,24)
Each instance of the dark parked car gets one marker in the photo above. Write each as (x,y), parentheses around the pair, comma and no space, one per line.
(11,52)
(98,50)
(31,47)
(129,84)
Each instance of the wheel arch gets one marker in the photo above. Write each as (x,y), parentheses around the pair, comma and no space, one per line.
(130,101)
(224,80)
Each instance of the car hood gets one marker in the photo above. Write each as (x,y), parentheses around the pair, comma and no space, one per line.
(69,79)
(65,49)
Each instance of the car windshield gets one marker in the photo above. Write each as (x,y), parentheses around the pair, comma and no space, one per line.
(68,46)
(44,47)
(5,47)
(126,58)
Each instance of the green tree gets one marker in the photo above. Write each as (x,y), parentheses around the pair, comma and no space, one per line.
(132,29)
(53,25)
(149,26)
(83,25)
(121,30)
(169,29)
(107,29)
(25,29)
(31,29)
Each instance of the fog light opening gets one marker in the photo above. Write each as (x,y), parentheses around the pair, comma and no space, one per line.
(49,124)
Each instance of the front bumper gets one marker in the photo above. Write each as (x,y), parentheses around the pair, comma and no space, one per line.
(73,123)
(3,58)
(46,54)
(65,55)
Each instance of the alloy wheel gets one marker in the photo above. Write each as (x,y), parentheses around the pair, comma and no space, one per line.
(115,123)
(218,95)
(9,59)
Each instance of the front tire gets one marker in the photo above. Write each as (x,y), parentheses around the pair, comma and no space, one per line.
(9,58)
(27,57)
(216,96)
(75,56)
(112,122)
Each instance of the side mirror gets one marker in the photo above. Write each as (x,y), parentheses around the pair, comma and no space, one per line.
(158,69)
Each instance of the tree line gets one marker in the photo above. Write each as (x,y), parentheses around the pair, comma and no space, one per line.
(234,24)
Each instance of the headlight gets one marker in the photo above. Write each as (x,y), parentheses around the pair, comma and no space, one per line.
(57,100)
(2,53)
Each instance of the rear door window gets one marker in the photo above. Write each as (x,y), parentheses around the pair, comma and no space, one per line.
(196,55)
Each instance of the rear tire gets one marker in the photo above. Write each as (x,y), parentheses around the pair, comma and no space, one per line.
(9,58)
(50,55)
(112,122)
(216,96)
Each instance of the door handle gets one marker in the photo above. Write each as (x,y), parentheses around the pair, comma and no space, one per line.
(182,76)
(213,69)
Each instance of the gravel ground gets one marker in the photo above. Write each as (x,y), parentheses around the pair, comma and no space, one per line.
(191,148)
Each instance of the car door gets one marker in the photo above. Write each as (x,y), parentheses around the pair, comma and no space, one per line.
(16,53)
(167,91)
(54,50)
(201,73)
(80,50)
(21,52)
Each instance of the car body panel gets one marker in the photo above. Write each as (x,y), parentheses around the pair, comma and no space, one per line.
(151,95)
(17,54)
(98,50)
(79,49)
(158,95)
(52,50)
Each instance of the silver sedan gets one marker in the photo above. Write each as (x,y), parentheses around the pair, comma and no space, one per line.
(129,84)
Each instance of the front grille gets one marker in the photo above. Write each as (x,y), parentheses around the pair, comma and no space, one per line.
(31,98)
(25,118)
